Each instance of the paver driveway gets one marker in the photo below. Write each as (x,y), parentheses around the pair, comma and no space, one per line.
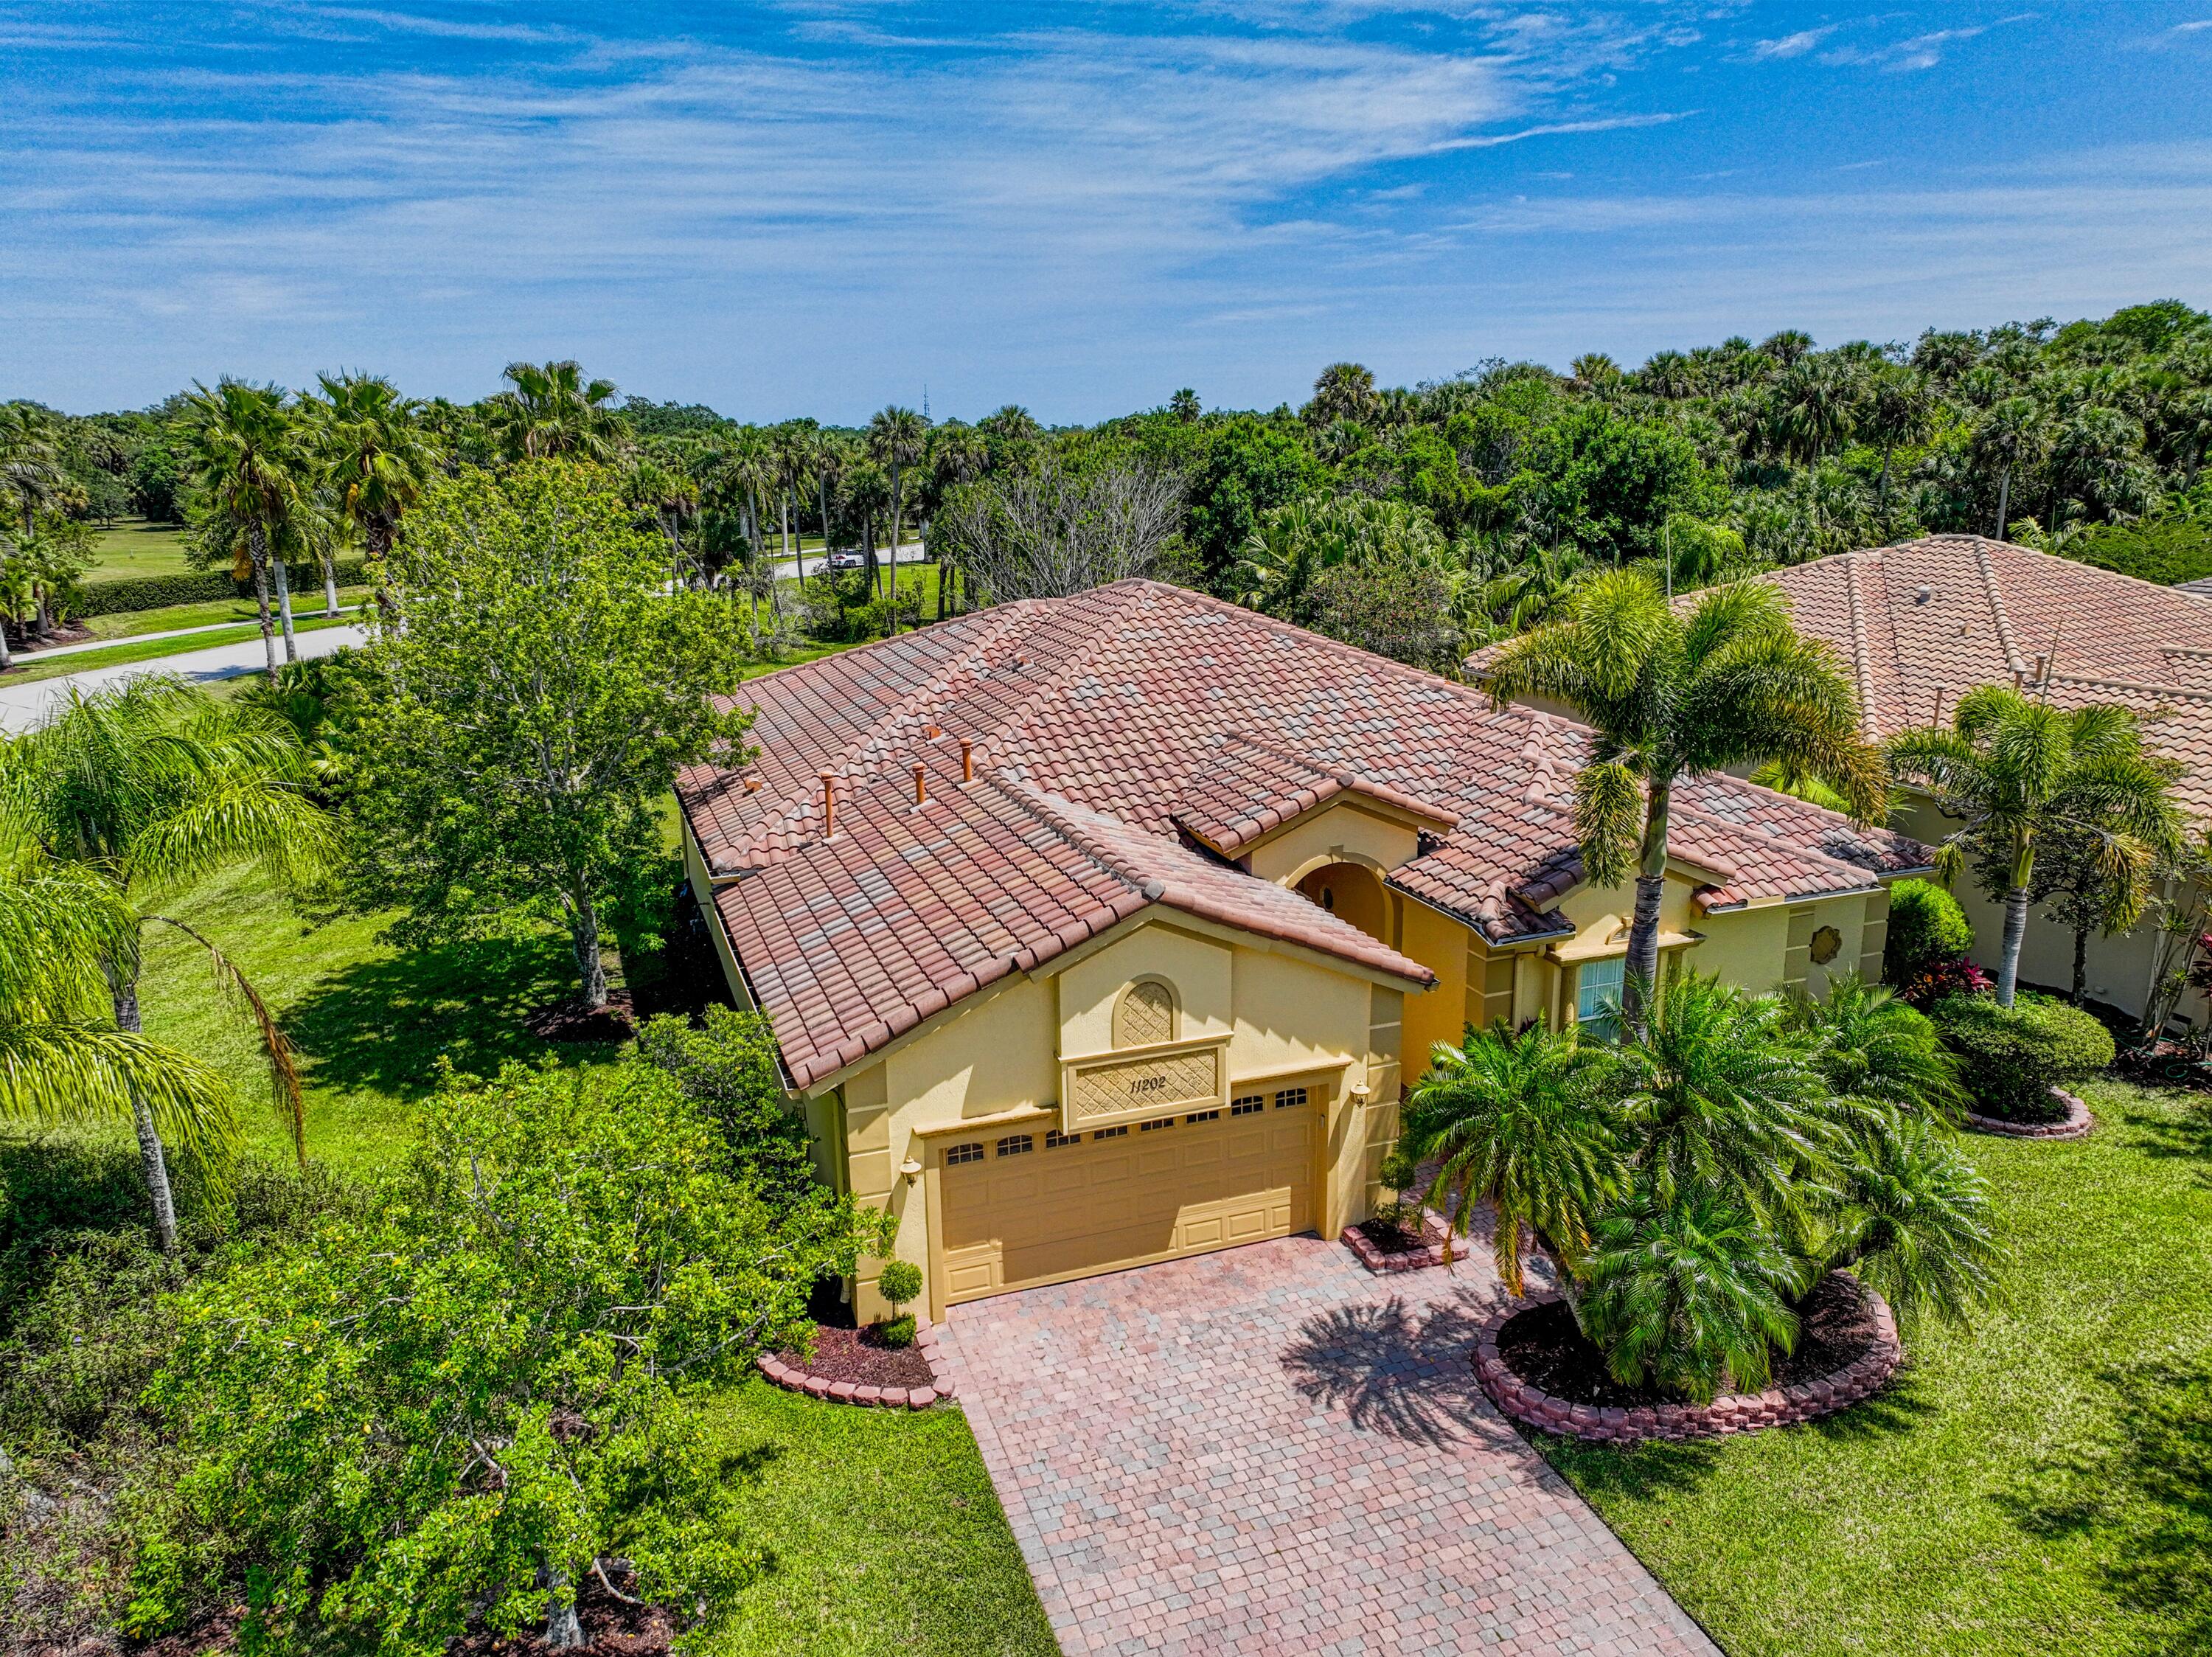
(1268,1450)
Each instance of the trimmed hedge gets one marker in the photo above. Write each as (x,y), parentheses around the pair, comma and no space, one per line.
(115,598)
(2009,1059)
(1926,926)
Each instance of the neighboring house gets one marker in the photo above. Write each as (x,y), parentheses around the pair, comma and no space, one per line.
(1923,622)
(1101,930)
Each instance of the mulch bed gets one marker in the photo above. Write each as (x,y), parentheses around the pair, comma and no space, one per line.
(1547,1350)
(570,1022)
(2070,1119)
(1389,1239)
(859,1355)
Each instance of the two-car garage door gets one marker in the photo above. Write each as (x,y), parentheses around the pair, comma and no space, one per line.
(1023,1209)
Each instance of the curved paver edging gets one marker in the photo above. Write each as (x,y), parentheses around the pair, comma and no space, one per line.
(793,1379)
(1410,1259)
(2076,1125)
(1732,1412)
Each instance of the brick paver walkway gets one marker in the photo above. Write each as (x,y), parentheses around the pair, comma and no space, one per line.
(1267,1450)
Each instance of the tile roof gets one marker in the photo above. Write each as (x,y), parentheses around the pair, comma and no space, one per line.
(1923,622)
(1104,728)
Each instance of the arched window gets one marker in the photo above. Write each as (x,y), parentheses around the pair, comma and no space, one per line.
(1144,1014)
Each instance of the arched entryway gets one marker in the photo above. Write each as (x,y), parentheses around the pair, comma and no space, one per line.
(1352,893)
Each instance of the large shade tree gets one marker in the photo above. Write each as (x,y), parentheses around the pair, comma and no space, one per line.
(529,709)
(2016,772)
(1675,694)
(145,788)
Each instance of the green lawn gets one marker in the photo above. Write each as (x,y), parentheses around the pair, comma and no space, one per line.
(884,1535)
(129,624)
(29,670)
(2041,1486)
(136,547)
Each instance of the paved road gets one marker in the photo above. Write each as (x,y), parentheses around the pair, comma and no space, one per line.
(21,706)
(299,618)
(1266,1450)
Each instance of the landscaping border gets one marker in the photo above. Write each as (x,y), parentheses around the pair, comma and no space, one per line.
(2076,1125)
(1412,1259)
(793,1379)
(1732,1412)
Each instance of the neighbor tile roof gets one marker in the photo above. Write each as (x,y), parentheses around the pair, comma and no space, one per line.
(1923,622)
(1104,728)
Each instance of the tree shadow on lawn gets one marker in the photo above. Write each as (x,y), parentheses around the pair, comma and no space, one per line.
(2189,1134)
(382,1025)
(2145,1493)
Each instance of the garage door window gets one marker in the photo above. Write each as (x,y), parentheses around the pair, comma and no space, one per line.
(959,1154)
(1290,1097)
(1053,1139)
(1121,1132)
(1203,1116)
(1016,1144)
(1248,1106)
(1156,1124)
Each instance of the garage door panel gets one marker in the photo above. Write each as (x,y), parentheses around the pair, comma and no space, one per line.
(1071,1210)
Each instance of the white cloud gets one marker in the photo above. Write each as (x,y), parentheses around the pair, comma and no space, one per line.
(1792,46)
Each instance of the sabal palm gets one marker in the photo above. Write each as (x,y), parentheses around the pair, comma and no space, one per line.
(2014,769)
(1722,1095)
(246,451)
(549,408)
(1677,695)
(1519,1121)
(1688,1293)
(898,439)
(62,1061)
(148,786)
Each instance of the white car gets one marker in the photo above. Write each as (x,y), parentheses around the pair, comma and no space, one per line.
(848,559)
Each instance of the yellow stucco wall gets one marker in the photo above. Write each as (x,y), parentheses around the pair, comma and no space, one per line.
(1343,831)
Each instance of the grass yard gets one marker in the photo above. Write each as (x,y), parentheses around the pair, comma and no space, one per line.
(2042,1485)
(884,1535)
(136,547)
(29,670)
(129,624)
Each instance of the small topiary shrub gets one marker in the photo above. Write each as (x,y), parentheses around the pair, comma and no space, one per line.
(899,1281)
(2009,1059)
(1929,934)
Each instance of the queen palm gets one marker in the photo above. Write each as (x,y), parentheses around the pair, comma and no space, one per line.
(375,455)
(245,451)
(2014,770)
(62,1061)
(1520,1122)
(148,786)
(549,408)
(898,438)
(1675,695)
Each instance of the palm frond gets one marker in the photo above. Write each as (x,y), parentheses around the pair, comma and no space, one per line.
(71,1073)
(1608,820)
(284,1089)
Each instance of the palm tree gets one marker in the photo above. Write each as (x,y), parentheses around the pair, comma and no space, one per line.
(549,408)
(31,475)
(1688,1293)
(1913,1220)
(1674,696)
(1815,406)
(958,454)
(1873,1050)
(1723,1096)
(898,438)
(1342,390)
(61,1060)
(148,786)
(1518,1121)
(376,456)
(2013,769)
(665,487)
(245,451)
(1899,410)
(2009,436)
(794,476)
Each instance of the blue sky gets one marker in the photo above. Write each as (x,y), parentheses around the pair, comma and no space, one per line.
(821,206)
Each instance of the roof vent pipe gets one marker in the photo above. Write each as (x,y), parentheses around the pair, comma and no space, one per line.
(921,783)
(967,760)
(828,806)
(2042,668)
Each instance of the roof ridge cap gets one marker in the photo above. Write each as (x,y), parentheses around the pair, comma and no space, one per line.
(2015,662)
(1861,663)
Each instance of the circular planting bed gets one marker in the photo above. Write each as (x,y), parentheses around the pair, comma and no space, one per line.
(853,1366)
(1536,1366)
(2074,1124)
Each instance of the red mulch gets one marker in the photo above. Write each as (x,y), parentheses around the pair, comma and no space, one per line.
(1391,1239)
(569,1021)
(1544,1349)
(859,1355)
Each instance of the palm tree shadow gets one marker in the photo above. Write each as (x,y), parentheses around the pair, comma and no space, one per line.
(382,1025)
(2144,1493)
(2188,1135)
(1402,1371)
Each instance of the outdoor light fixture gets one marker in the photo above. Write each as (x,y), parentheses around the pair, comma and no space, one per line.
(910,1168)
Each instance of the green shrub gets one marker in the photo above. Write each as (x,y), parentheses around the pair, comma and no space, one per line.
(2010,1058)
(899,1331)
(116,597)
(899,1282)
(1926,927)
(2161,550)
